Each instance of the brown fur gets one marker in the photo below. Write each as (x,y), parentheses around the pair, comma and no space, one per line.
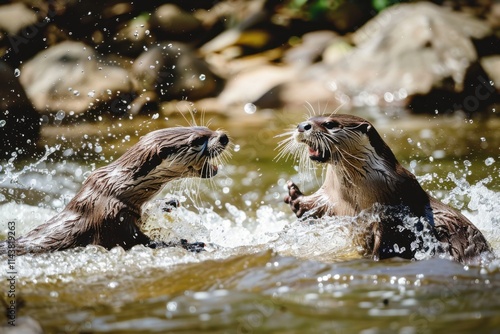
(107,209)
(364,178)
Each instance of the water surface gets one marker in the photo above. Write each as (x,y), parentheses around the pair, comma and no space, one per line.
(262,271)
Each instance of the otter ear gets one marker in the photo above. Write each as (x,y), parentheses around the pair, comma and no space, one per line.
(365,127)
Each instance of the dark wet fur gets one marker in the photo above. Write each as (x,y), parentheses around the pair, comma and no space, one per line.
(374,182)
(107,209)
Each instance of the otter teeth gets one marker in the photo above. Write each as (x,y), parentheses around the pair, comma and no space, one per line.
(313,152)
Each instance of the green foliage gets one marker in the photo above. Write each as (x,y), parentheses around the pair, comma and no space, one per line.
(314,9)
(380,5)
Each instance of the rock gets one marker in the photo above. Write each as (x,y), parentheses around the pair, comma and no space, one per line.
(70,79)
(251,84)
(173,72)
(311,49)
(492,67)
(171,22)
(406,50)
(132,36)
(22,32)
(19,122)
(15,17)
(24,325)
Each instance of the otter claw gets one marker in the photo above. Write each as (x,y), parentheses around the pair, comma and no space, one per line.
(193,247)
(293,199)
(170,205)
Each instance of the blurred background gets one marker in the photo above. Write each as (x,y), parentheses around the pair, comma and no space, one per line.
(81,81)
(84,64)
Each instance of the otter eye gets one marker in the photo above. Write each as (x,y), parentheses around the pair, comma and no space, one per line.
(331,125)
(199,141)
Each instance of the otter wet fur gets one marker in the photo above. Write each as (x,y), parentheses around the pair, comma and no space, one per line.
(106,211)
(364,179)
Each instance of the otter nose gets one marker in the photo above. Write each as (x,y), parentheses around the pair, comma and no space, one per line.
(223,139)
(304,126)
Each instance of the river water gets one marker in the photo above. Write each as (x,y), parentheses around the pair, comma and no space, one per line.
(263,271)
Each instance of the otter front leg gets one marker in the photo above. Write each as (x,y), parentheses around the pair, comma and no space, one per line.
(303,205)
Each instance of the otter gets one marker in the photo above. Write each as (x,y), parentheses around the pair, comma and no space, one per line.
(107,209)
(365,180)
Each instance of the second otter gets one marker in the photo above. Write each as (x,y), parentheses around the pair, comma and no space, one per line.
(364,177)
(107,209)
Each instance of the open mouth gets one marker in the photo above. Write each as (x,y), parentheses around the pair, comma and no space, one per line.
(318,155)
(208,170)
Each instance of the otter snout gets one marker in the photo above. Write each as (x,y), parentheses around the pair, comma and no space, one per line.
(223,139)
(304,126)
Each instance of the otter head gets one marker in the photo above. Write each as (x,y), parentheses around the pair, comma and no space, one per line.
(334,137)
(178,152)
(162,156)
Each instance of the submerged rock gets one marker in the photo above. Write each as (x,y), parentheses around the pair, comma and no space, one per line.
(19,122)
(70,79)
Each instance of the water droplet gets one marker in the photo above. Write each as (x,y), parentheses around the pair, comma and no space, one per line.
(17,73)
(467,163)
(483,139)
(76,93)
(172,306)
(250,108)
(489,161)
(113,284)
(388,97)
(60,115)
(147,32)
(155,116)
(98,149)
(2,123)
(202,77)
(91,94)
(237,148)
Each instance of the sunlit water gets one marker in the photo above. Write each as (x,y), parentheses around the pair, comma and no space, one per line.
(262,271)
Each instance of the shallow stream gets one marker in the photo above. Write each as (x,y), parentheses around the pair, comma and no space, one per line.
(262,271)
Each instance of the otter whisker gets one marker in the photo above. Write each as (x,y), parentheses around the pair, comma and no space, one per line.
(286,148)
(336,110)
(310,110)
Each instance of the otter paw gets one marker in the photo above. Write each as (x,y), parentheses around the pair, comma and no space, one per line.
(193,247)
(170,205)
(294,199)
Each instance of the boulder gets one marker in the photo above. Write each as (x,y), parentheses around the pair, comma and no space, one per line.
(173,23)
(69,79)
(172,71)
(408,50)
